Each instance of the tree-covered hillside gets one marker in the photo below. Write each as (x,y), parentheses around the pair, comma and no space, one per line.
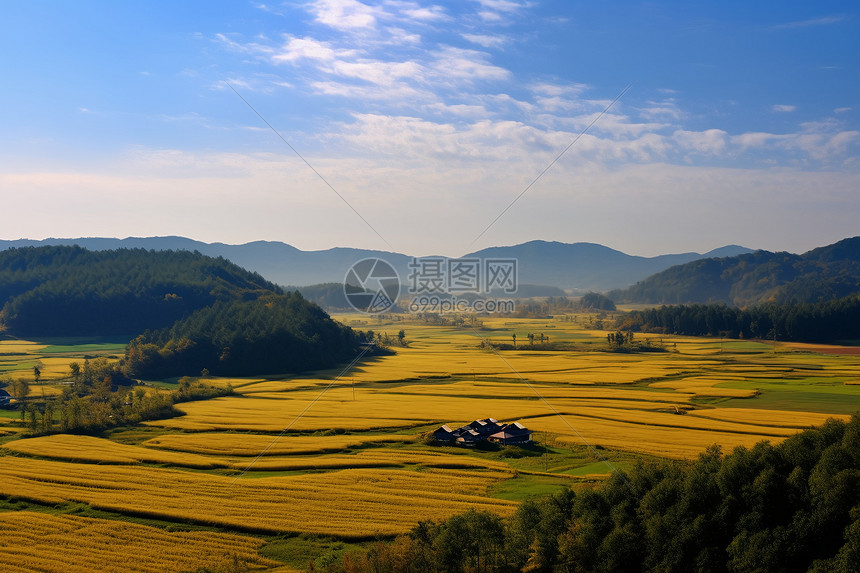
(275,334)
(819,275)
(190,312)
(70,291)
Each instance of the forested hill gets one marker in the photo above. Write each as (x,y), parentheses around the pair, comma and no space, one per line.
(70,291)
(822,274)
(273,334)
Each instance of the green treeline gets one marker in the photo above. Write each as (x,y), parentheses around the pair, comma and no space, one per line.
(791,507)
(70,291)
(590,302)
(820,322)
(274,334)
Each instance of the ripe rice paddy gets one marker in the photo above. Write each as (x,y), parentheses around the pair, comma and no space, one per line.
(72,544)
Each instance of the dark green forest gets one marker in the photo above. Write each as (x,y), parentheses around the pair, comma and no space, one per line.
(822,322)
(275,334)
(190,312)
(70,291)
(791,507)
(819,275)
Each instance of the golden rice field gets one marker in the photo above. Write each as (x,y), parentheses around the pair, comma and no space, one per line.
(75,448)
(340,453)
(71,544)
(90,449)
(221,443)
(350,503)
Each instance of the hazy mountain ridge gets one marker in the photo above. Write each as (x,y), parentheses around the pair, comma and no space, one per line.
(571,266)
(822,274)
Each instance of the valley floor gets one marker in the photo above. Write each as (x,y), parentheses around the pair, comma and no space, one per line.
(299,467)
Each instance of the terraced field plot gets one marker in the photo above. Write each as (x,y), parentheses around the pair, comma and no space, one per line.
(71,544)
(362,503)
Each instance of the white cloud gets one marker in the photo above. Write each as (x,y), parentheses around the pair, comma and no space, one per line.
(450,100)
(489,16)
(661,110)
(401,37)
(426,13)
(308,48)
(345,15)
(709,142)
(754,139)
(382,73)
(842,110)
(465,66)
(822,141)
(486,40)
(250,48)
(504,5)
(552,98)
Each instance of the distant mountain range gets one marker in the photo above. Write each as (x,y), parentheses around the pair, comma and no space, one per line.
(819,275)
(576,267)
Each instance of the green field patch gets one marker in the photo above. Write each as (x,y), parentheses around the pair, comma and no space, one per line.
(294,550)
(828,395)
(599,467)
(527,486)
(86,349)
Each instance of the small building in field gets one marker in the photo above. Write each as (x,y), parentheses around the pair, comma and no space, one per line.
(468,438)
(444,434)
(487,429)
(512,434)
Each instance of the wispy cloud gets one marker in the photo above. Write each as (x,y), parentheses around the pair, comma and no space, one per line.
(345,15)
(486,40)
(822,21)
(307,48)
(499,11)
(426,13)
(504,5)
(402,96)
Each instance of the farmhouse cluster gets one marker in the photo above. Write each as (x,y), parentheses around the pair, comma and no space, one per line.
(488,429)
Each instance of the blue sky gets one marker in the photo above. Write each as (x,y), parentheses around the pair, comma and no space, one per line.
(429,118)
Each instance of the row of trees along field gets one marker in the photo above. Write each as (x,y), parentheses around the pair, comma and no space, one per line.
(274,334)
(589,302)
(100,396)
(820,322)
(70,291)
(791,507)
